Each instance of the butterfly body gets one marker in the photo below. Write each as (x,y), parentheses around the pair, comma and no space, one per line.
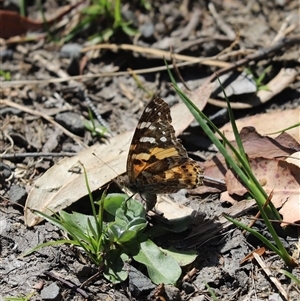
(157,162)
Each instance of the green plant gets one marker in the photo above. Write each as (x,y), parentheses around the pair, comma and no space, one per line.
(240,165)
(212,293)
(21,298)
(5,75)
(113,235)
(258,79)
(94,127)
(107,13)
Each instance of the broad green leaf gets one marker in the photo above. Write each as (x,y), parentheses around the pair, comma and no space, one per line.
(78,221)
(183,258)
(116,270)
(113,202)
(161,267)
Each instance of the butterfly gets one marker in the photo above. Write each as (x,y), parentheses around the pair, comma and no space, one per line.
(157,162)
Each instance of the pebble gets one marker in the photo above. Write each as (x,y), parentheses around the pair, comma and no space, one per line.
(9,110)
(147,29)
(71,121)
(139,284)
(5,171)
(172,292)
(70,50)
(6,54)
(17,194)
(51,292)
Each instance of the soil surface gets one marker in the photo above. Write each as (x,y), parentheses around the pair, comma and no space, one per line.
(51,78)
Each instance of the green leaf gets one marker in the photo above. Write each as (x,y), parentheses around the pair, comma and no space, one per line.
(94,10)
(128,30)
(175,225)
(161,267)
(78,221)
(115,270)
(183,258)
(113,202)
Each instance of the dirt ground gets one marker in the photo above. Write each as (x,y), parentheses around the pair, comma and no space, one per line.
(52,83)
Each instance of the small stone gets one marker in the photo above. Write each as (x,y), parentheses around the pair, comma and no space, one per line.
(71,121)
(139,284)
(51,292)
(17,194)
(198,298)
(9,110)
(5,171)
(70,50)
(108,93)
(172,292)
(147,29)
(275,297)
(188,287)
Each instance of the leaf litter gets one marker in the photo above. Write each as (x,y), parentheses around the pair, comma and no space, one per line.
(219,252)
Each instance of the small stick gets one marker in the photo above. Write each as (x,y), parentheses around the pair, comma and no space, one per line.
(68,283)
(46,117)
(35,155)
(269,274)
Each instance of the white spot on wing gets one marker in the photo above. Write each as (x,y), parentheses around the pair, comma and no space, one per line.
(147,139)
(144,125)
(163,139)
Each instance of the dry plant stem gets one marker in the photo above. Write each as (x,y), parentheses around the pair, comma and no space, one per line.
(188,60)
(91,76)
(178,73)
(54,68)
(158,54)
(269,274)
(189,44)
(36,155)
(9,103)
(258,55)
(70,284)
(285,28)
(61,73)
(192,24)
(221,23)
(258,213)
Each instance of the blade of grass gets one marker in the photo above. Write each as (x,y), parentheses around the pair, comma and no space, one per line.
(244,173)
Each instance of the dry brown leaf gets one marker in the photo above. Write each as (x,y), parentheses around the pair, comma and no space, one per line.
(255,145)
(281,178)
(63,183)
(13,24)
(294,159)
(181,115)
(226,197)
(264,123)
(259,251)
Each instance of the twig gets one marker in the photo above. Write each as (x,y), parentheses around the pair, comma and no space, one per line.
(46,117)
(188,60)
(192,24)
(220,22)
(269,274)
(178,72)
(68,283)
(158,54)
(258,55)
(34,155)
(87,77)
(283,79)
